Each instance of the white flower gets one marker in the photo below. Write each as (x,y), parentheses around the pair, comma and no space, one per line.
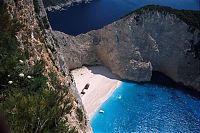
(29,77)
(21,61)
(21,75)
(8,75)
(10,82)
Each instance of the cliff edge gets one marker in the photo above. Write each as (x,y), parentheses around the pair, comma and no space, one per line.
(37,92)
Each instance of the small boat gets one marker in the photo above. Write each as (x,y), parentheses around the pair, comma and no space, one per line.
(87,86)
(82,92)
(119,97)
(101,111)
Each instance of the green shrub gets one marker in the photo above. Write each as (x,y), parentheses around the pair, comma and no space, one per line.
(79,113)
(27,102)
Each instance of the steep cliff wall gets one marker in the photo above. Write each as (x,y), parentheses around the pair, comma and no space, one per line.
(77,51)
(29,84)
(150,39)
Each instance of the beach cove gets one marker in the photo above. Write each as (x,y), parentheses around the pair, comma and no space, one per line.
(102,84)
(122,106)
(127,47)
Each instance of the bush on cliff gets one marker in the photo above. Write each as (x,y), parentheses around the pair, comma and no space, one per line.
(26,100)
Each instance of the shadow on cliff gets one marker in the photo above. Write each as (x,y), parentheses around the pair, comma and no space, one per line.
(157,78)
(101,70)
(161,79)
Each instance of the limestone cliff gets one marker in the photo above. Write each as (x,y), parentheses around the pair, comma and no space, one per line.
(77,51)
(149,39)
(25,27)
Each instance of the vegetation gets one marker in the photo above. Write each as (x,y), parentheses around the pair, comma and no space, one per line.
(79,113)
(28,103)
(188,16)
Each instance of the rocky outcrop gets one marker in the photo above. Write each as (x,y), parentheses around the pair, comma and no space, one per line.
(151,39)
(77,51)
(136,45)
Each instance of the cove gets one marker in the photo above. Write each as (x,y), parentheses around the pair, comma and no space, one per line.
(149,107)
(83,17)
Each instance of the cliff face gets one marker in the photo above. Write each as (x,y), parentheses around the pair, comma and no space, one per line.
(77,51)
(50,78)
(132,48)
(151,41)
(140,43)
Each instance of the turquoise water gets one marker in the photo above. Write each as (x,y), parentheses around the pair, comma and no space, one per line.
(148,108)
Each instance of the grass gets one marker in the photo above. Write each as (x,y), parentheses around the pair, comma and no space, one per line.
(29,104)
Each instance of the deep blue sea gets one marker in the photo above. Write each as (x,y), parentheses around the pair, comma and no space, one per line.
(98,13)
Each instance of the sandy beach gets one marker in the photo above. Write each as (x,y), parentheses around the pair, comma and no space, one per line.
(102,85)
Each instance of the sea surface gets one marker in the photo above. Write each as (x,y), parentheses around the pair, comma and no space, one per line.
(83,17)
(148,108)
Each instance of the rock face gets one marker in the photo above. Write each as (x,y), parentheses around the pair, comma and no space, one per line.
(138,44)
(155,39)
(77,51)
(37,39)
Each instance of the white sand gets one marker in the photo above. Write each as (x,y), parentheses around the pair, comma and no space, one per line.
(102,85)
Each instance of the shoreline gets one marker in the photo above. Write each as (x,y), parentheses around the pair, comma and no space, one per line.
(102,84)
(109,94)
(62,6)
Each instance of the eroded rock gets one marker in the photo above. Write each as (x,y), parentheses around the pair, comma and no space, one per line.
(136,45)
